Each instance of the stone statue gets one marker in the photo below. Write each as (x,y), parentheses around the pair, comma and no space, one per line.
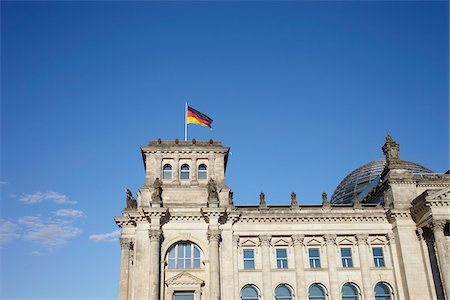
(157,186)
(391,151)
(355,200)
(213,196)
(294,199)
(131,202)
(324,198)
(262,199)
(230,198)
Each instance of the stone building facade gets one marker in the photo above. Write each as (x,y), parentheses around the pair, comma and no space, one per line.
(184,239)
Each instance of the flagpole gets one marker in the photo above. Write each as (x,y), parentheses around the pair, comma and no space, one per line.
(185,121)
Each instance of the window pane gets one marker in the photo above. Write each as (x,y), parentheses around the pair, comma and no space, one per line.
(183,296)
(187,263)
(196,263)
(248,254)
(202,172)
(346,252)
(249,292)
(249,264)
(282,291)
(180,250)
(171,263)
(349,290)
(196,252)
(172,253)
(281,253)
(188,252)
(167,172)
(314,252)
(316,292)
(377,252)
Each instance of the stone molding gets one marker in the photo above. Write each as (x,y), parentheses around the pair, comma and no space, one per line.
(213,235)
(155,234)
(362,238)
(184,278)
(307,219)
(390,237)
(438,225)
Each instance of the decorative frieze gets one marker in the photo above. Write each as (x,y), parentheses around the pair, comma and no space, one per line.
(298,239)
(265,239)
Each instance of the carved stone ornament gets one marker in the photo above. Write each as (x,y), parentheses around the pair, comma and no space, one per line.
(230,198)
(236,239)
(391,151)
(362,238)
(213,196)
(155,235)
(438,225)
(126,243)
(213,235)
(157,191)
(294,202)
(131,202)
(330,239)
(324,198)
(298,239)
(262,199)
(265,239)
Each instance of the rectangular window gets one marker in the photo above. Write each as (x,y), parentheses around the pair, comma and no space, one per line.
(378,258)
(314,258)
(249,259)
(183,296)
(282,262)
(346,256)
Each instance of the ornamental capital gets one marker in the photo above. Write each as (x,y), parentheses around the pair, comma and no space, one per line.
(361,238)
(390,237)
(213,234)
(330,239)
(265,239)
(155,235)
(438,225)
(419,233)
(126,243)
(298,239)
(236,239)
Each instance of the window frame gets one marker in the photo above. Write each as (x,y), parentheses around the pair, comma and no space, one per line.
(283,297)
(378,260)
(314,262)
(164,172)
(383,296)
(176,262)
(355,288)
(347,261)
(282,262)
(317,297)
(249,286)
(248,259)
(201,172)
(185,171)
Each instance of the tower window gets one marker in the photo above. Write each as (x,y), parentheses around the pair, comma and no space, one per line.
(314,258)
(282,292)
(349,292)
(167,172)
(202,172)
(382,292)
(184,256)
(249,293)
(282,262)
(185,172)
(346,256)
(378,258)
(316,292)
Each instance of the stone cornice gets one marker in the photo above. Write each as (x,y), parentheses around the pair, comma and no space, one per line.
(273,218)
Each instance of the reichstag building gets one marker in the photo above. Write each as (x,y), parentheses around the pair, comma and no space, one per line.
(383,234)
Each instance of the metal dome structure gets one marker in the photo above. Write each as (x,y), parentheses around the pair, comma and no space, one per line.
(362,180)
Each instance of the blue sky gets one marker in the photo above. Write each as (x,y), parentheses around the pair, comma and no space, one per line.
(302,92)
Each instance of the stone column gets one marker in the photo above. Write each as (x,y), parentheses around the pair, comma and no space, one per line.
(330,240)
(265,254)
(194,180)
(214,267)
(426,261)
(363,251)
(155,238)
(441,249)
(236,266)
(297,240)
(126,245)
(141,268)
(176,168)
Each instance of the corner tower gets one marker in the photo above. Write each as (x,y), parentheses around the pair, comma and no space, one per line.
(184,173)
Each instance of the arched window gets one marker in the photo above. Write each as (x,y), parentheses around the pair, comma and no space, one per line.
(183,256)
(202,172)
(316,292)
(282,292)
(382,292)
(185,173)
(249,293)
(349,292)
(167,172)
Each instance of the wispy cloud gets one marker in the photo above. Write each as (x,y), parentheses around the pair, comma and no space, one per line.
(39,197)
(69,213)
(3,182)
(8,231)
(105,237)
(51,233)
(35,253)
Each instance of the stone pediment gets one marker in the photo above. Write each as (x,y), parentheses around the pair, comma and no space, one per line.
(184,278)
(281,242)
(314,242)
(377,241)
(345,241)
(443,194)
(249,243)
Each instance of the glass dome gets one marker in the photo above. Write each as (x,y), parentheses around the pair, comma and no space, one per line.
(362,180)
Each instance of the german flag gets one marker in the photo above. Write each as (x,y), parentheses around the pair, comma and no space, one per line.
(196,117)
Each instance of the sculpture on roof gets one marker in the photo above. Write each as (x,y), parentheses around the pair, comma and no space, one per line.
(324,198)
(355,200)
(131,202)
(157,191)
(391,151)
(294,199)
(262,199)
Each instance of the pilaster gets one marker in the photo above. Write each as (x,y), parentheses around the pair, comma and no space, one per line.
(297,240)
(330,241)
(265,252)
(363,251)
